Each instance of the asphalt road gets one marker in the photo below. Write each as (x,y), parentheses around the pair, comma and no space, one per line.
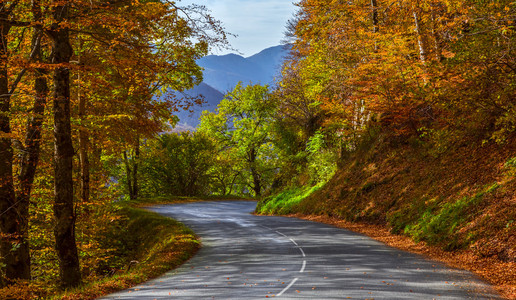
(256,257)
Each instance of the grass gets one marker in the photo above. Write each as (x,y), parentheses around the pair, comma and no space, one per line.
(147,255)
(125,254)
(441,226)
(285,202)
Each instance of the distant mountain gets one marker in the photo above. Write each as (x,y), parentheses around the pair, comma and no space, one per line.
(223,72)
(212,97)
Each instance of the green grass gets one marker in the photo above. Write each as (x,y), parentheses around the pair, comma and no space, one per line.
(441,225)
(284,202)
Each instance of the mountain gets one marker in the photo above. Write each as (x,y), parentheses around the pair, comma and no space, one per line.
(188,120)
(222,73)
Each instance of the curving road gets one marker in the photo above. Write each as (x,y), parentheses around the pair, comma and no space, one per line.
(255,257)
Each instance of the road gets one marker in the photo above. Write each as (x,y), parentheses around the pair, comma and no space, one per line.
(255,257)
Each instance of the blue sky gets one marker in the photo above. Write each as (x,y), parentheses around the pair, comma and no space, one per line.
(259,24)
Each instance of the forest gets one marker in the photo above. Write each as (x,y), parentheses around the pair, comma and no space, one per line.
(396,113)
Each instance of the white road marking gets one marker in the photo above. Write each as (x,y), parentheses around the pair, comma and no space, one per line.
(287,287)
(281,233)
(303,267)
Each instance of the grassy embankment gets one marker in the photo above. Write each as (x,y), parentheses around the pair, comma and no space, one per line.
(453,202)
(146,255)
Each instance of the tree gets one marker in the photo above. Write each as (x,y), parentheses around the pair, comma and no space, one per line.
(138,51)
(64,211)
(242,126)
(177,164)
(14,200)
(9,228)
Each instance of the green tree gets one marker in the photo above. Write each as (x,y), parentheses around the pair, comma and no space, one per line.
(242,126)
(177,164)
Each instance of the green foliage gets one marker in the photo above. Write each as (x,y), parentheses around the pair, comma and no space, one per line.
(440,226)
(177,165)
(510,166)
(284,202)
(322,161)
(242,129)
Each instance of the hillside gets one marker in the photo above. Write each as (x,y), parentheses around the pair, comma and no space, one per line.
(462,198)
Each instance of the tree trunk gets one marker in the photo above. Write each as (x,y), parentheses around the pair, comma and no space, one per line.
(257,184)
(376,25)
(64,231)
(435,34)
(30,155)
(95,167)
(420,36)
(129,175)
(374,16)
(136,161)
(83,148)
(14,264)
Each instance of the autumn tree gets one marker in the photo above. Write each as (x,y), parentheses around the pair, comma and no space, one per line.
(136,52)
(411,69)
(9,228)
(14,203)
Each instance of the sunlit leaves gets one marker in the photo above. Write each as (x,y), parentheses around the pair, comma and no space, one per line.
(242,127)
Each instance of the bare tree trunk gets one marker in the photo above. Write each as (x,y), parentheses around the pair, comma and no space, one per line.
(95,166)
(257,184)
(136,162)
(64,231)
(31,152)
(435,34)
(14,266)
(83,148)
(128,175)
(374,7)
(376,25)
(420,36)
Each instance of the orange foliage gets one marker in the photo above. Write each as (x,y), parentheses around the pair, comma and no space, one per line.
(404,63)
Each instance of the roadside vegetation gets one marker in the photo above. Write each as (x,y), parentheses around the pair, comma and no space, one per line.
(123,254)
